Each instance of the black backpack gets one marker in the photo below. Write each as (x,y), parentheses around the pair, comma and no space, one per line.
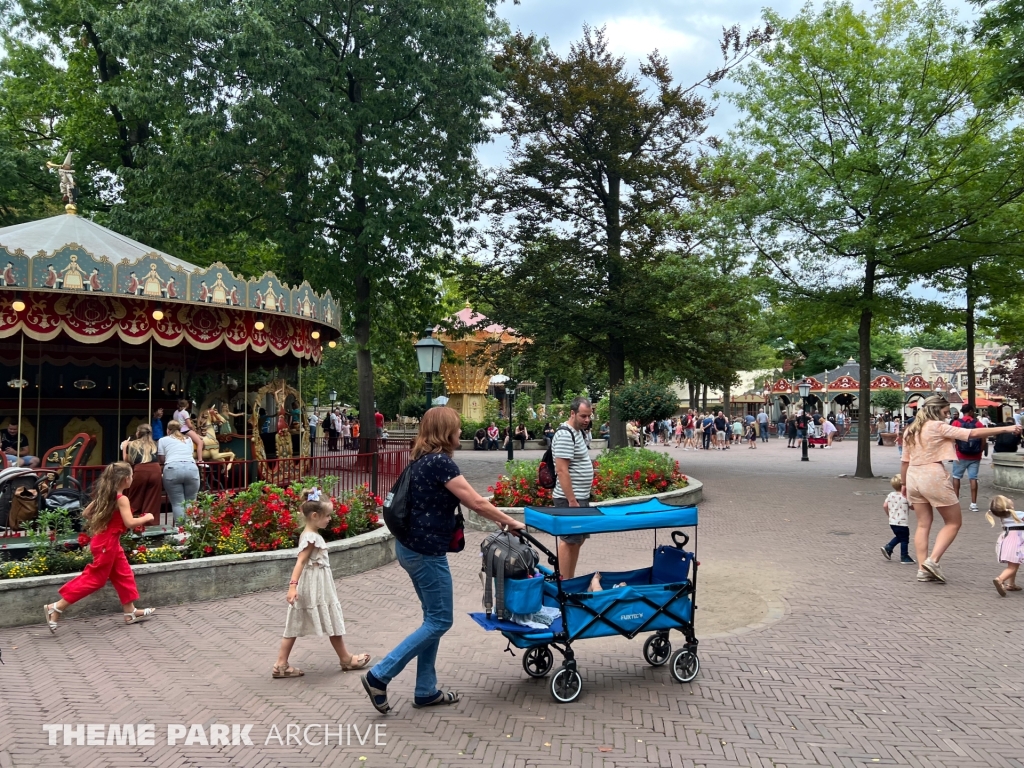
(546,476)
(969,447)
(396,504)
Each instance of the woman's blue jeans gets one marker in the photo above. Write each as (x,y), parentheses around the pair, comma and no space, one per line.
(433,583)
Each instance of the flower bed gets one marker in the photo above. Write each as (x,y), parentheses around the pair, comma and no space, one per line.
(262,518)
(618,473)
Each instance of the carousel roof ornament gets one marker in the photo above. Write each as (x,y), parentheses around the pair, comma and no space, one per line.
(68,187)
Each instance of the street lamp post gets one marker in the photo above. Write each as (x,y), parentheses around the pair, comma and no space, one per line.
(804,389)
(510,396)
(429,352)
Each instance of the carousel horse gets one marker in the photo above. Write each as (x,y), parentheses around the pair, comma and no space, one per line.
(211,445)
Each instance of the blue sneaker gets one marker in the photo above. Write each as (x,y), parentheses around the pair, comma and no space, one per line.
(887,553)
(908,561)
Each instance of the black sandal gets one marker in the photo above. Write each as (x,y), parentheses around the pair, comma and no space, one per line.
(378,696)
(443,697)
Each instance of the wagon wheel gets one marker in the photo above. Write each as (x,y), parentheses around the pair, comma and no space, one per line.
(685,665)
(566,685)
(657,649)
(538,660)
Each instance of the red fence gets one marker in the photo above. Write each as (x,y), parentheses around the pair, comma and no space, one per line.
(378,471)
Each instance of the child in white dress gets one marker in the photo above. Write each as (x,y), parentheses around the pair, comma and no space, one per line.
(313,606)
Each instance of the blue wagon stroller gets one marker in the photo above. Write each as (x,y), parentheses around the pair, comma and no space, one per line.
(657,599)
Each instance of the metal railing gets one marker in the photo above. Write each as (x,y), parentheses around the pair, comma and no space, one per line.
(377,470)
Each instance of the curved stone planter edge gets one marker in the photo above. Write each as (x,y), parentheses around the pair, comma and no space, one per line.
(692,494)
(189,581)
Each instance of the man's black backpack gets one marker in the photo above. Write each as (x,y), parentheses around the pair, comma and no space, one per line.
(396,504)
(969,447)
(505,556)
(546,476)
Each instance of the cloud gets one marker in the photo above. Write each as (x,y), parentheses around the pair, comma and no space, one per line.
(637,36)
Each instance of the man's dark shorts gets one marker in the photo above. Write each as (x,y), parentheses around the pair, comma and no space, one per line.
(577,538)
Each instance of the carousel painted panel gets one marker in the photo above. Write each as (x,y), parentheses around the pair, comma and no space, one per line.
(885,381)
(151,277)
(816,386)
(331,310)
(918,383)
(71,268)
(16,268)
(269,294)
(844,384)
(305,303)
(217,285)
(782,386)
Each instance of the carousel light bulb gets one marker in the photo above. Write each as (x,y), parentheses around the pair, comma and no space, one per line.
(158,315)
(315,334)
(332,344)
(259,325)
(18,305)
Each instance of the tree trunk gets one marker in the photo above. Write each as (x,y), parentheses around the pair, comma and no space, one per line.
(725,403)
(692,387)
(704,406)
(616,344)
(547,392)
(364,365)
(616,376)
(864,393)
(972,387)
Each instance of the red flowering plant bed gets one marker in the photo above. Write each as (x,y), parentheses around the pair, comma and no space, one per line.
(266,517)
(618,473)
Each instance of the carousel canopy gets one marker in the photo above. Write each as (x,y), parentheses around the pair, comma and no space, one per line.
(91,284)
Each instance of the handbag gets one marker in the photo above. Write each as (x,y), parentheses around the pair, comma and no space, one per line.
(458,540)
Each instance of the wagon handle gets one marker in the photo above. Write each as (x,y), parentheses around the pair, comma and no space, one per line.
(522,534)
(680,544)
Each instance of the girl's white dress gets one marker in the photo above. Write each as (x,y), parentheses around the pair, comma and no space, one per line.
(317,610)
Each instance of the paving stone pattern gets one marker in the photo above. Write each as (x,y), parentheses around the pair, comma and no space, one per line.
(867,667)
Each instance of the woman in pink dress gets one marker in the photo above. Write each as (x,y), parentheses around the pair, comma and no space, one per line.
(927,443)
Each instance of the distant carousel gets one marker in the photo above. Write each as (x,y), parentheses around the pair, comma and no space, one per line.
(98,330)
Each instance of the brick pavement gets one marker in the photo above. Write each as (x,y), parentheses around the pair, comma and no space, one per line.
(867,667)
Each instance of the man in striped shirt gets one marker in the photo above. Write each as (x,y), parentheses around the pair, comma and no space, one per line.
(574,472)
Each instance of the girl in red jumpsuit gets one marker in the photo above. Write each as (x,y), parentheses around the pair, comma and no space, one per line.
(108,516)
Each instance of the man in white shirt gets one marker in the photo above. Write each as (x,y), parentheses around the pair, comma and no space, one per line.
(574,473)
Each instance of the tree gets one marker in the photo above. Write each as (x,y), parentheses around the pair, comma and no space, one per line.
(582,216)
(888,400)
(862,149)
(644,400)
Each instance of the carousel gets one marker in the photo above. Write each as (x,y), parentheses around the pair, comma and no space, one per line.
(98,332)
(840,387)
(467,371)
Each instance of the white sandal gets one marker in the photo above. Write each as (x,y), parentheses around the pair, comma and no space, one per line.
(50,610)
(134,618)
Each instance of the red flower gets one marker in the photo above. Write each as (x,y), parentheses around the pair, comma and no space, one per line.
(636,475)
(207,549)
(343,509)
(225,531)
(53,536)
(142,547)
(82,539)
(343,527)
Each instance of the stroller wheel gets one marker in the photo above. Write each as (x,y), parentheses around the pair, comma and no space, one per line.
(685,665)
(537,661)
(657,649)
(566,685)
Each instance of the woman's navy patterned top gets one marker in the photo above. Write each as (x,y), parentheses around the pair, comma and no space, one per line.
(431,505)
